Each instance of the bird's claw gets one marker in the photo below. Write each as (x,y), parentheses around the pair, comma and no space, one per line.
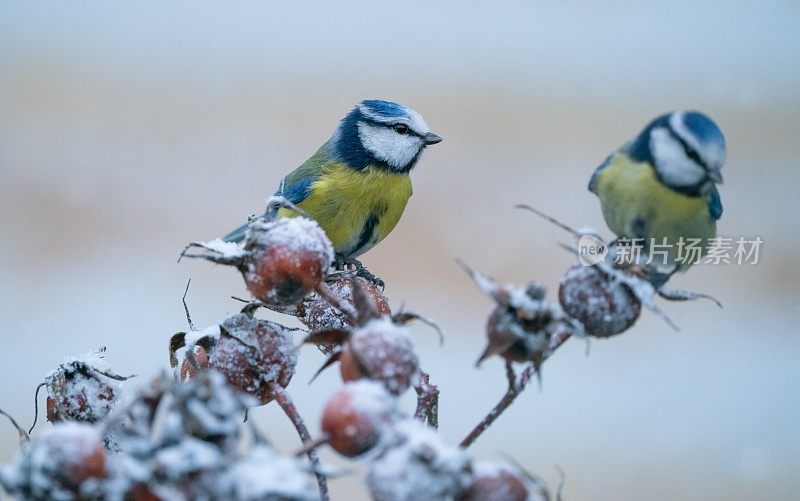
(346,263)
(367,275)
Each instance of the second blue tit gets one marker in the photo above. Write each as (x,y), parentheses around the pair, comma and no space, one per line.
(357,184)
(661,187)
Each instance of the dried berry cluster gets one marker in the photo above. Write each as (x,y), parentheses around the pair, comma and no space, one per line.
(183,437)
(172,440)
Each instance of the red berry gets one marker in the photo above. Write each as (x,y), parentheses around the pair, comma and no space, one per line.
(355,418)
(603,305)
(288,259)
(56,464)
(497,481)
(381,351)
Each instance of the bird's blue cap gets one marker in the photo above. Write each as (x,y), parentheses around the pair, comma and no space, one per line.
(387,109)
(703,128)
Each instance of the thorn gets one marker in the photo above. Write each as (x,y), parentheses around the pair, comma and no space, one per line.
(551,219)
(186,307)
(330,361)
(35,407)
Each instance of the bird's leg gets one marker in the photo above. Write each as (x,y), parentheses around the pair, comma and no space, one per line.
(363,272)
(339,262)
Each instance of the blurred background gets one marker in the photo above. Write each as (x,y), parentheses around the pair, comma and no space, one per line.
(128,131)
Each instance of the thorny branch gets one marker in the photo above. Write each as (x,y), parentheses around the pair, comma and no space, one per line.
(286,403)
(516,385)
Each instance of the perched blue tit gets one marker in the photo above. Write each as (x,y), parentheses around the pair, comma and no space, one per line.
(357,184)
(662,185)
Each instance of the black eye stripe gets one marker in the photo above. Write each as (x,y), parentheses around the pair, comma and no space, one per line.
(691,153)
(410,132)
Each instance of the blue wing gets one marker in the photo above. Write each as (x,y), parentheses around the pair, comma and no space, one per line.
(715,204)
(295,187)
(297,190)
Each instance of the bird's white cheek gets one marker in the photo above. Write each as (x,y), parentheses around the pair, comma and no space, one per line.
(387,145)
(672,164)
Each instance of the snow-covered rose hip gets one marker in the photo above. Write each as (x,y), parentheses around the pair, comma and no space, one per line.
(415,465)
(290,258)
(58,464)
(356,416)
(498,481)
(381,351)
(282,261)
(603,305)
(251,353)
(81,389)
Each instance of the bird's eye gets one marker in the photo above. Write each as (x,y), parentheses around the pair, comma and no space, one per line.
(400,128)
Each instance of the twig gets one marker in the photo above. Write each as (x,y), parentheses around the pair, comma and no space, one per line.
(326,293)
(23,437)
(312,445)
(551,219)
(515,387)
(427,400)
(286,403)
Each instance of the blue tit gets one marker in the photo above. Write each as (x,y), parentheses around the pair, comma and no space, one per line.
(661,188)
(357,184)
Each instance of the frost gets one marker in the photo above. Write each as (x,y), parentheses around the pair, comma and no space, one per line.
(230,250)
(292,234)
(58,464)
(188,457)
(370,399)
(263,474)
(82,388)
(173,440)
(417,466)
(385,350)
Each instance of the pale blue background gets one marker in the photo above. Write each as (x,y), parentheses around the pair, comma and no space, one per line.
(126,132)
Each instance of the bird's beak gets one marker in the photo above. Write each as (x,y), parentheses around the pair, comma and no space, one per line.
(714,175)
(431,138)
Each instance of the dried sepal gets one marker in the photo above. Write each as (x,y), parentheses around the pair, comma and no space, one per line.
(282,261)
(332,359)
(520,327)
(404,317)
(327,336)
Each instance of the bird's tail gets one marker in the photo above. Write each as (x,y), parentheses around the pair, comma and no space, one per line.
(238,234)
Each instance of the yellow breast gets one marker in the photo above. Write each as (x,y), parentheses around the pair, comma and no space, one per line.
(357,209)
(636,204)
